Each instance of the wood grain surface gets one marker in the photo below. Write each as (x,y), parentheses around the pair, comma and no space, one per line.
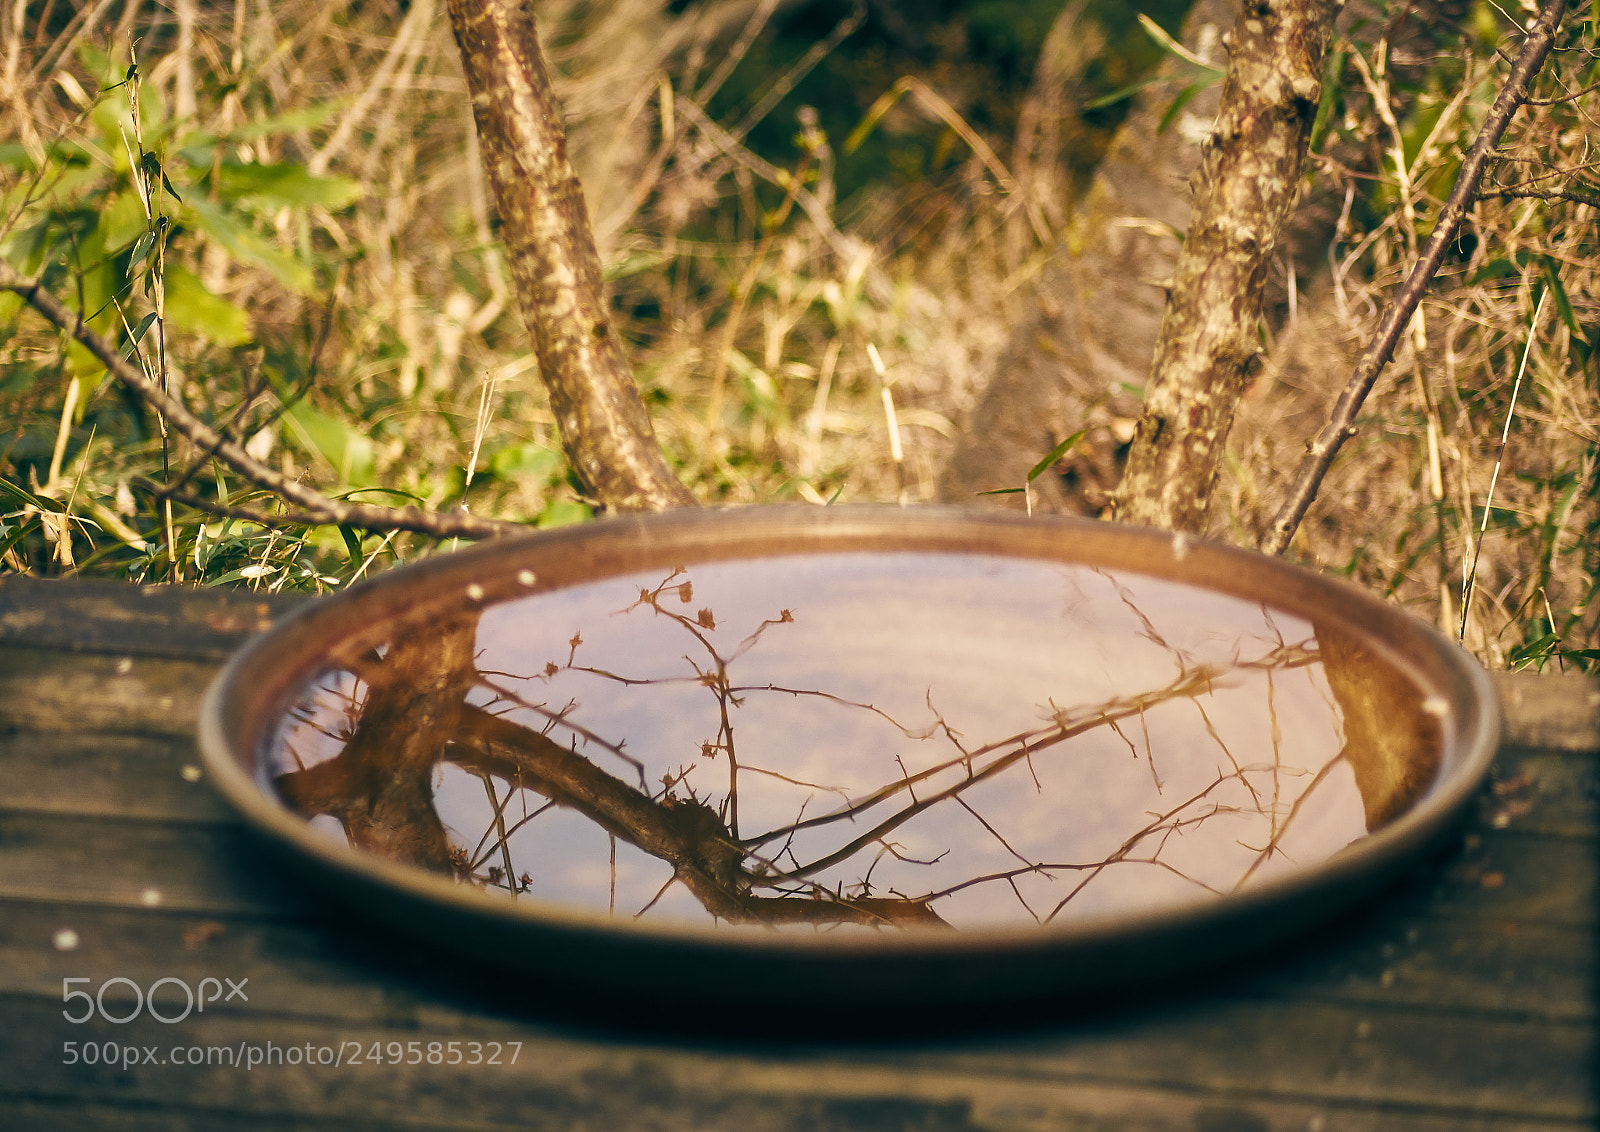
(1462,998)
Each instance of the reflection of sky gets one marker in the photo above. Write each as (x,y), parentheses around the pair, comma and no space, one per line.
(989,648)
(991,643)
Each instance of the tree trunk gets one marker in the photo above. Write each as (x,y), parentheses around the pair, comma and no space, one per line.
(545,225)
(1245,190)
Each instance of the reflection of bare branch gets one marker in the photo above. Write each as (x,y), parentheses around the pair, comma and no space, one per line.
(687,834)
(1132,842)
(1006,752)
(500,829)
(1277,834)
(379,786)
(404,710)
(993,832)
(908,732)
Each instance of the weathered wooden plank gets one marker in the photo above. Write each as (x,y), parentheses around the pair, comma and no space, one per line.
(330,971)
(1238,1054)
(1538,791)
(1556,711)
(352,971)
(1021,1108)
(1402,955)
(109,617)
(133,776)
(54,690)
(132,864)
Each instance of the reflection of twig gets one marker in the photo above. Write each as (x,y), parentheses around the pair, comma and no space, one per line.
(503,832)
(500,830)
(1128,846)
(1006,845)
(561,718)
(776,877)
(1278,832)
(1008,751)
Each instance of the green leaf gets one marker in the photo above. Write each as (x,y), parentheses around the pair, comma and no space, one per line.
(1499,268)
(285,184)
(121,223)
(1172,47)
(1332,84)
(16,534)
(1004,491)
(352,543)
(97,62)
(307,118)
(191,307)
(1126,92)
(1053,455)
(27,498)
(1533,651)
(247,247)
(1559,293)
(397,493)
(141,248)
(1178,103)
(523,460)
(563,513)
(351,453)
(24,248)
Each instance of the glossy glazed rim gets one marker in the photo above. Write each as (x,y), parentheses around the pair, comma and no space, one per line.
(251,693)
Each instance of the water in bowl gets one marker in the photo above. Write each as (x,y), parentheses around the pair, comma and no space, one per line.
(842,741)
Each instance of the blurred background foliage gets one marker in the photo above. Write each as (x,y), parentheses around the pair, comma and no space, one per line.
(818,218)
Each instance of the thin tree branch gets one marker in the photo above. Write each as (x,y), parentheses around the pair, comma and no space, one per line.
(314,507)
(1341,427)
(1573,195)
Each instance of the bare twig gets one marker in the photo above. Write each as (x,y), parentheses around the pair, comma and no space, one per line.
(1341,427)
(1573,195)
(314,507)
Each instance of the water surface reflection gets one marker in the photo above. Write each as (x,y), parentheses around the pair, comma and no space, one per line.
(884,740)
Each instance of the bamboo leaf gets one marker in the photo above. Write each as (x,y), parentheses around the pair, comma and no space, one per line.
(247,247)
(1559,293)
(191,307)
(1053,455)
(285,184)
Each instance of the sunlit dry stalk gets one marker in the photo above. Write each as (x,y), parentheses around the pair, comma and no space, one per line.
(1470,570)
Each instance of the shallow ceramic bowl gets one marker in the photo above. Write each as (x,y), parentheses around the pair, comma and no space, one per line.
(906,756)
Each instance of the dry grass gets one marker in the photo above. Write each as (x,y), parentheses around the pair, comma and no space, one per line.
(1403,510)
(776,335)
